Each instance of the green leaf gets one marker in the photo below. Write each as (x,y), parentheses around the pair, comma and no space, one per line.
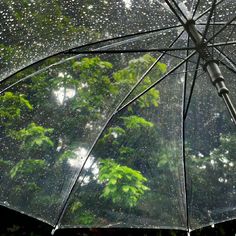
(123,185)
(125,188)
(33,137)
(27,167)
(113,181)
(136,122)
(162,67)
(75,206)
(11,107)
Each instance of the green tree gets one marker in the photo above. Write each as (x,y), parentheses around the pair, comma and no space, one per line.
(46,126)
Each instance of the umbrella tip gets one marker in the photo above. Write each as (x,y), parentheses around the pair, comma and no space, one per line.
(54,230)
(188,232)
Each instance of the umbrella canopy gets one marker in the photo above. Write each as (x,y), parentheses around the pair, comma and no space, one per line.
(108,115)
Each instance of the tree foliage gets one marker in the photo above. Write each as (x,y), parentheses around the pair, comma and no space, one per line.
(54,118)
(123,185)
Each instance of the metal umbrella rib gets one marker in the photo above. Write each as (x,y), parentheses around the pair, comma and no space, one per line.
(219,31)
(191,90)
(157,82)
(207,10)
(225,57)
(208,20)
(196,7)
(90,45)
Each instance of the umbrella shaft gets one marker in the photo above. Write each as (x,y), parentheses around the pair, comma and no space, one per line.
(197,38)
(211,66)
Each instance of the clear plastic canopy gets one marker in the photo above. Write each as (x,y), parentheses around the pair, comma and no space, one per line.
(108,117)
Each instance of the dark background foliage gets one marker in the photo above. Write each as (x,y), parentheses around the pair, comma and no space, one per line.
(16,224)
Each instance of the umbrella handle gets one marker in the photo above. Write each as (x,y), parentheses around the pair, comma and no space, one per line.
(217,80)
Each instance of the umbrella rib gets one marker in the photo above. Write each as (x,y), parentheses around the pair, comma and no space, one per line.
(207,10)
(224,56)
(74,181)
(124,36)
(228,67)
(192,88)
(118,37)
(209,20)
(216,23)
(186,75)
(55,64)
(196,7)
(177,6)
(179,57)
(229,60)
(144,75)
(214,27)
(28,77)
(227,40)
(167,49)
(183,140)
(81,181)
(220,30)
(175,12)
(220,52)
(221,44)
(92,44)
(63,209)
(157,82)
(33,74)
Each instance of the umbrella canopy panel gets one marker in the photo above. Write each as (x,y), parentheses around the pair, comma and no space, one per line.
(62,112)
(114,123)
(50,122)
(210,156)
(140,175)
(33,30)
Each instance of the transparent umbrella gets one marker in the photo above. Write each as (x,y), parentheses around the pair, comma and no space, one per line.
(109,114)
